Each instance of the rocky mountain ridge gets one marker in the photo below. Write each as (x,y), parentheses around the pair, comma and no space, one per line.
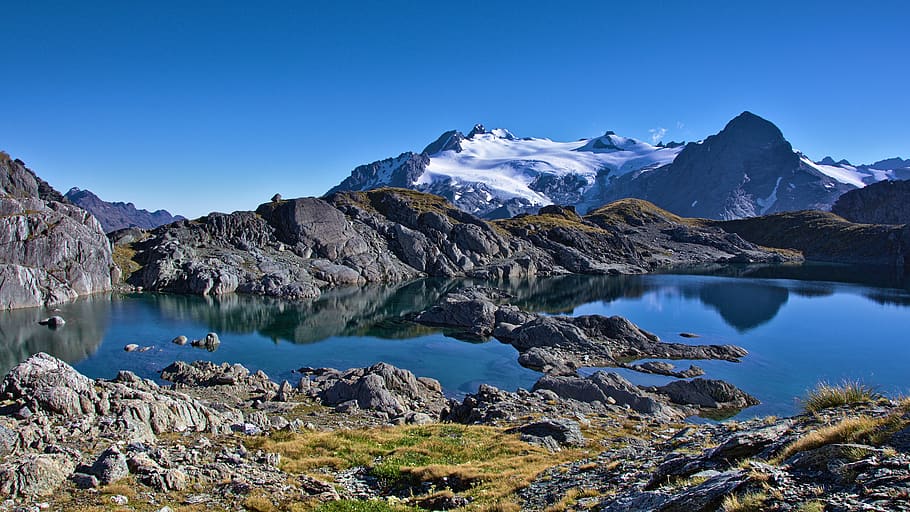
(294,248)
(117,215)
(885,202)
(747,169)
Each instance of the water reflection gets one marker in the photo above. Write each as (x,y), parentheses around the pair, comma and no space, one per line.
(743,306)
(356,311)
(378,310)
(87,321)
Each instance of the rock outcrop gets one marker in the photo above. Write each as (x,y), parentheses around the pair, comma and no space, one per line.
(558,344)
(823,236)
(52,251)
(382,387)
(296,248)
(117,215)
(48,387)
(63,436)
(885,202)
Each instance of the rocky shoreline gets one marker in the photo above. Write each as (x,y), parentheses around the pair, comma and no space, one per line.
(224,438)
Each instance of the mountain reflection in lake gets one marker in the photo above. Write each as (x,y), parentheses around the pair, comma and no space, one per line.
(798,329)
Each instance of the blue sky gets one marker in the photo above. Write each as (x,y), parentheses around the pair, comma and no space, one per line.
(218,105)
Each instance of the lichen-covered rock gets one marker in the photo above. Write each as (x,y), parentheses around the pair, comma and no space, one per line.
(206,373)
(35,475)
(110,466)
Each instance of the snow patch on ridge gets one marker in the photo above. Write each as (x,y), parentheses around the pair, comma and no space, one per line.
(508,165)
(769,201)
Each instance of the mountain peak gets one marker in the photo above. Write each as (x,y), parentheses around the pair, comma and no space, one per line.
(747,121)
(750,130)
(450,140)
(891,163)
(477,130)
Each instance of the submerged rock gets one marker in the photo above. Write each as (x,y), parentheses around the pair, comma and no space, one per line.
(53,322)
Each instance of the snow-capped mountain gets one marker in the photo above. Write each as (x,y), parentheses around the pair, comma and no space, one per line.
(862,175)
(495,174)
(746,169)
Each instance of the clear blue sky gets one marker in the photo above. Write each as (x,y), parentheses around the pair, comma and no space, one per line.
(216,106)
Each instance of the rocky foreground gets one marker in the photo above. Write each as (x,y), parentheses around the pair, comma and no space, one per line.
(222,438)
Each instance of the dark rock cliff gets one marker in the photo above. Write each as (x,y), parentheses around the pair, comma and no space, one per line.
(885,202)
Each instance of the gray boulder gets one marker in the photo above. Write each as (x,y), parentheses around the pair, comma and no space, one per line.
(607,388)
(564,431)
(110,466)
(34,475)
(210,342)
(53,322)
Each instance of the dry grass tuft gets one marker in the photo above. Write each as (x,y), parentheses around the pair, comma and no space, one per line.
(826,396)
(848,430)
(123,258)
(751,502)
(811,506)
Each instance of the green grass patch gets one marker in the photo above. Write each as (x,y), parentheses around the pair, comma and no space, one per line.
(123,257)
(357,506)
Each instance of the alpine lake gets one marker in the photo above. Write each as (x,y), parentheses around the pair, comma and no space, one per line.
(802,324)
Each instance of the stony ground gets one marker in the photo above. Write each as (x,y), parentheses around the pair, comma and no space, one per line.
(225,439)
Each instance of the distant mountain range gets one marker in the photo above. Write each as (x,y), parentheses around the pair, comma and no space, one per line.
(114,216)
(746,169)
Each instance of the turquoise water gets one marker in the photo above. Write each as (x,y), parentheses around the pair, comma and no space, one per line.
(798,328)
